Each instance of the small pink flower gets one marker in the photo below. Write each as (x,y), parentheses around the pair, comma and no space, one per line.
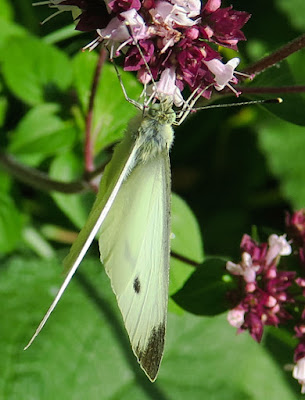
(245,268)
(300,282)
(166,86)
(224,73)
(192,7)
(271,302)
(116,29)
(278,246)
(212,5)
(235,317)
(299,373)
(172,15)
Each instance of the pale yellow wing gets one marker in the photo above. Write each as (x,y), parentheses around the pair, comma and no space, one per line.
(134,246)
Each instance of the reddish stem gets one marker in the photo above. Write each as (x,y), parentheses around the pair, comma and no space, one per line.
(88,152)
(185,259)
(271,90)
(279,55)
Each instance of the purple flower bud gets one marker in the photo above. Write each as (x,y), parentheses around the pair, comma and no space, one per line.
(118,6)
(295,224)
(212,5)
(255,326)
(225,23)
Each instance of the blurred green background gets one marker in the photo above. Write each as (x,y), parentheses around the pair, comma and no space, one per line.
(235,168)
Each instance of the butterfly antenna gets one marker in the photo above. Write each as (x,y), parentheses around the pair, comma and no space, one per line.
(277,100)
(188,106)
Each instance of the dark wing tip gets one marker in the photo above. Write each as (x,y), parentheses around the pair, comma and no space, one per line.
(150,357)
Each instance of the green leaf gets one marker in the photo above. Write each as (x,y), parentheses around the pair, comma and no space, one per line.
(85,351)
(61,34)
(41,132)
(10,224)
(5,181)
(33,69)
(292,108)
(111,111)
(296,64)
(66,168)
(3,109)
(205,291)
(294,10)
(283,145)
(186,241)
(35,241)
(8,29)
(6,10)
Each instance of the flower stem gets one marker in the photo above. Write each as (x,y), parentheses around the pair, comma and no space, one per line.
(88,152)
(279,55)
(38,179)
(185,259)
(271,90)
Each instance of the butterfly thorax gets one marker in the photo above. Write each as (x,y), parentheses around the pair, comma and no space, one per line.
(155,134)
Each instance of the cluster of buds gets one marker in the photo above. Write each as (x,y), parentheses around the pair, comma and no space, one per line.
(295,224)
(264,294)
(299,352)
(263,288)
(170,43)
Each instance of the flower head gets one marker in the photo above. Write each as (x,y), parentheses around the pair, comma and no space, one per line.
(295,224)
(264,289)
(177,38)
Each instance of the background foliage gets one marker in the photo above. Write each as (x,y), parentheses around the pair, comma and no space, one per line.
(235,169)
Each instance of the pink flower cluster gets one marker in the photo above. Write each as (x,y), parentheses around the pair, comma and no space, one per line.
(263,291)
(295,224)
(299,353)
(178,39)
(263,294)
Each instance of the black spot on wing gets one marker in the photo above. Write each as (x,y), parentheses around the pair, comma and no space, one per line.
(151,356)
(136,285)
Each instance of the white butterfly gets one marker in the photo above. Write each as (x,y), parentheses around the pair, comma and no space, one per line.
(132,214)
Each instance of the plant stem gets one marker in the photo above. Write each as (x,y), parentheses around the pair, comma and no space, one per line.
(88,152)
(184,259)
(271,90)
(38,179)
(279,55)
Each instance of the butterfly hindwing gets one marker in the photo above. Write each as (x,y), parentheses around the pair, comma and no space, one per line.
(134,246)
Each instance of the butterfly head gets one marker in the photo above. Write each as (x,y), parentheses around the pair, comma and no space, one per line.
(163,111)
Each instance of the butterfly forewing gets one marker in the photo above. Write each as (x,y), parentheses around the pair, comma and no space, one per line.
(134,246)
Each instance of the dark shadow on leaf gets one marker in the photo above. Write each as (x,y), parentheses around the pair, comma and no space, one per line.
(152,389)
